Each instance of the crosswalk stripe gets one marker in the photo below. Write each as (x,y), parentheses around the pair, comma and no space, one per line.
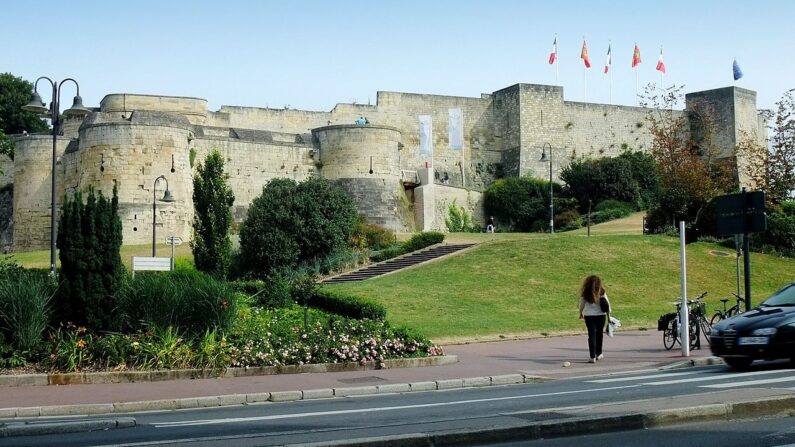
(750,382)
(648,376)
(717,377)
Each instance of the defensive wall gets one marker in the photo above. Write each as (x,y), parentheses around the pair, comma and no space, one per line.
(131,139)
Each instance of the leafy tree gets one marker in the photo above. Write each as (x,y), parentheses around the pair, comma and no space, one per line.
(89,240)
(291,223)
(212,202)
(522,203)
(6,146)
(14,93)
(459,220)
(687,157)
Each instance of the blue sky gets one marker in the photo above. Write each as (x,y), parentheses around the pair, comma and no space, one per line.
(314,54)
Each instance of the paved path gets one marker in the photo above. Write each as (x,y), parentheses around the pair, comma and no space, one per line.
(629,350)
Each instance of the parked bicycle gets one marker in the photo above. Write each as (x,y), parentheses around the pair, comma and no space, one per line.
(670,324)
(730,312)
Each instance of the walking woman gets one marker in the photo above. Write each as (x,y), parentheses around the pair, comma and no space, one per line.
(595,309)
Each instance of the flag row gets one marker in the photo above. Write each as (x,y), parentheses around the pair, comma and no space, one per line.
(636,59)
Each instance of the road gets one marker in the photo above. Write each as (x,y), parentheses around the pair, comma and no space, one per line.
(774,432)
(456,410)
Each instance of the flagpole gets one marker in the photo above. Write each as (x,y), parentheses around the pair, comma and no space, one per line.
(557,62)
(637,100)
(610,75)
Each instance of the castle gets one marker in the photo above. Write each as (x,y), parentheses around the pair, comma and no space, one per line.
(132,139)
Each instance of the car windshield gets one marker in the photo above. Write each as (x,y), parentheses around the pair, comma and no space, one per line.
(784,297)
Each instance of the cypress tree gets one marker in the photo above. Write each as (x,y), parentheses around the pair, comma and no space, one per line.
(212,202)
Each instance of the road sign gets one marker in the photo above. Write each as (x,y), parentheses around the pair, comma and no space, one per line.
(174,240)
(741,213)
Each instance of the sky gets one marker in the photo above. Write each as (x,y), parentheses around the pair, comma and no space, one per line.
(311,55)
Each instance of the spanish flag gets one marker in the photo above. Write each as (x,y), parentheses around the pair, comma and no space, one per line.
(584,55)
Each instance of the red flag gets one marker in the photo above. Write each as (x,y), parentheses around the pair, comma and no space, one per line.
(584,55)
(554,54)
(636,57)
(660,63)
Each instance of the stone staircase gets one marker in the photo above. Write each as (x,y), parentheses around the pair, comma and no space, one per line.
(390,265)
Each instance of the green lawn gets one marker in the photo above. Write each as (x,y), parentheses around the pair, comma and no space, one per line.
(528,284)
(41,258)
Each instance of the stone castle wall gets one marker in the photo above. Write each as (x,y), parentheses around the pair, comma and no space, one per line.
(132,139)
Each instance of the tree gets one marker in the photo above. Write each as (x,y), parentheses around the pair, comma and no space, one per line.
(291,223)
(686,154)
(89,240)
(212,202)
(14,93)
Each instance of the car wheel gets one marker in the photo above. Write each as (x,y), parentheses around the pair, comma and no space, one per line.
(738,362)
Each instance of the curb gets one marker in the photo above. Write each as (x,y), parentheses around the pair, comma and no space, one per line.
(49,428)
(90,378)
(251,398)
(783,405)
(689,363)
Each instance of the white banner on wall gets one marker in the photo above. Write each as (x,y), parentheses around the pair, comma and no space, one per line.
(455,128)
(426,135)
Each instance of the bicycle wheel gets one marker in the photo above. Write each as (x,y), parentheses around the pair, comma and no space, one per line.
(669,335)
(694,332)
(716,318)
(706,329)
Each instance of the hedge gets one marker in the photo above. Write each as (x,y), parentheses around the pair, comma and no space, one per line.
(347,305)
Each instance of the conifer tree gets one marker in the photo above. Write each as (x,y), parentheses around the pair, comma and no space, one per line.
(212,202)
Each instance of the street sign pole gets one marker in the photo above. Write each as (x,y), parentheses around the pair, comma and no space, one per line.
(684,326)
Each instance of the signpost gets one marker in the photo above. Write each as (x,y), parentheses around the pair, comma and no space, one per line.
(173,241)
(742,214)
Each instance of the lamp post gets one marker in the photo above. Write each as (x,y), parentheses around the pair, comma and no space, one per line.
(551,206)
(36,105)
(168,198)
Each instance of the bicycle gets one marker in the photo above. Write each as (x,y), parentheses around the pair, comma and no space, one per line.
(730,312)
(670,324)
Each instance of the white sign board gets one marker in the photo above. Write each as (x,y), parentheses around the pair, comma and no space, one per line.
(149,263)
(174,240)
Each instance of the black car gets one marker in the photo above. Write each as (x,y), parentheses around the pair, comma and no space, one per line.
(766,332)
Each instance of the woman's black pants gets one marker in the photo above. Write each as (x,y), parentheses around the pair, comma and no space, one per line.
(595,325)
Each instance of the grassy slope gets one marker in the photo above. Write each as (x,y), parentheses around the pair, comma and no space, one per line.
(41,258)
(529,285)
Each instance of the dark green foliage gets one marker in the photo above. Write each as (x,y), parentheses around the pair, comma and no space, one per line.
(89,240)
(780,234)
(25,308)
(347,305)
(191,301)
(291,223)
(568,220)
(418,241)
(631,177)
(615,204)
(14,93)
(608,214)
(459,220)
(212,202)
(521,203)
(387,253)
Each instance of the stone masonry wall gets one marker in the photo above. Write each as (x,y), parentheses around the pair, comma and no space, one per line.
(470,200)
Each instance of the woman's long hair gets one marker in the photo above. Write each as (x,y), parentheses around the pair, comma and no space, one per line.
(592,289)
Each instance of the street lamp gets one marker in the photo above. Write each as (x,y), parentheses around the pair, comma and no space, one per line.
(551,206)
(36,105)
(168,198)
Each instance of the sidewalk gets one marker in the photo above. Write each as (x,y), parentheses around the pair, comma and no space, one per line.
(542,357)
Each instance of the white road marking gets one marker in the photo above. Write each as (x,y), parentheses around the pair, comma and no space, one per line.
(366,410)
(750,382)
(648,376)
(717,377)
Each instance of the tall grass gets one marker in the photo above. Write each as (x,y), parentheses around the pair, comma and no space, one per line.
(191,301)
(25,309)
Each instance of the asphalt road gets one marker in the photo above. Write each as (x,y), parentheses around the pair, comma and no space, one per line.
(775,432)
(460,409)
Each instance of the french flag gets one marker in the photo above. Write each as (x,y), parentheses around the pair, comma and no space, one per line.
(609,61)
(554,54)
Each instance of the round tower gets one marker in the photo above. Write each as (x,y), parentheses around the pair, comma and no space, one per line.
(365,162)
(131,151)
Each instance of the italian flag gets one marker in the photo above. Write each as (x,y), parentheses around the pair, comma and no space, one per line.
(584,55)
(608,61)
(660,63)
(554,54)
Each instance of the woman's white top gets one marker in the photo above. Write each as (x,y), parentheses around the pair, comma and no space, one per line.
(591,309)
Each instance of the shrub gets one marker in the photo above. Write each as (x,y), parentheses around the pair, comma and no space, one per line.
(347,305)
(340,259)
(387,253)
(423,239)
(189,300)
(25,309)
(89,240)
(568,220)
(212,202)
(615,204)
(291,222)
(522,203)
(459,220)
(373,237)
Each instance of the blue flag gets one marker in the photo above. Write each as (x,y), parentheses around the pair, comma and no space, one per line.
(737,72)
